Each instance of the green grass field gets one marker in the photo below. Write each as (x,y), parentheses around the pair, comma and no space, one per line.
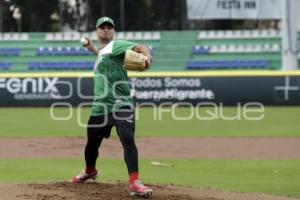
(28,122)
(278,177)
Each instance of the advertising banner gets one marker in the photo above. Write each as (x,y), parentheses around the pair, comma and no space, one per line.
(44,91)
(234,9)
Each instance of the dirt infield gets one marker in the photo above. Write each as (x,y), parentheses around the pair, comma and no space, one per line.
(244,148)
(118,191)
(229,148)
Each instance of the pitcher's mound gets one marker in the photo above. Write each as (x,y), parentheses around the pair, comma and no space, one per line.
(117,191)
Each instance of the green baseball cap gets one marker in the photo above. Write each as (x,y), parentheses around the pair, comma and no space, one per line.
(103,20)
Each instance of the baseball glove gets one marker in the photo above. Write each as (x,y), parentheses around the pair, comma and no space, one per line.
(134,61)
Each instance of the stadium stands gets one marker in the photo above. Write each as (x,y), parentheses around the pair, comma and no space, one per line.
(62,51)
(70,36)
(10,51)
(239,34)
(14,37)
(60,65)
(172,50)
(227,64)
(56,51)
(5,65)
(255,48)
(258,49)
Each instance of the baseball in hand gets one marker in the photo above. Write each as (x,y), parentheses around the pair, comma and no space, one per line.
(84,41)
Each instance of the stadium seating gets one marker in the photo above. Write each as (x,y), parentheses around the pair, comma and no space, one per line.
(201,49)
(253,48)
(62,51)
(239,34)
(5,65)
(75,36)
(221,46)
(10,51)
(14,37)
(227,64)
(60,65)
(171,50)
(68,36)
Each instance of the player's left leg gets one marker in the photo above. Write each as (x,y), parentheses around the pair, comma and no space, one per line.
(125,129)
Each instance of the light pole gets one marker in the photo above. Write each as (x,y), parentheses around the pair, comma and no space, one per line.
(103,8)
(183,14)
(1,17)
(61,15)
(289,39)
(122,14)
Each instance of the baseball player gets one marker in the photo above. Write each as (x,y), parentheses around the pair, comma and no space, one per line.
(112,105)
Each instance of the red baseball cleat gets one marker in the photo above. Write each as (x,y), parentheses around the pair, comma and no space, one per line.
(139,189)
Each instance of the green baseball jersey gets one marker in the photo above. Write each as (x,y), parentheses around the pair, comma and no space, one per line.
(111,84)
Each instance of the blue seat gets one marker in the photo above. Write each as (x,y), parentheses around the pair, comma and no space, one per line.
(191,64)
(10,51)
(227,64)
(31,66)
(72,51)
(85,65)
(218,64)
(241,64)
(35,65)
(72,65)
(62,51)
(262,64)
(5,65)
(57,51)
(40,51)
(49,51)
(205,64)
(16,51)
(78,65)
(46,65)
(200,50)
(57,66)
(84,51)
(65,51)
(234,64)
(197,64)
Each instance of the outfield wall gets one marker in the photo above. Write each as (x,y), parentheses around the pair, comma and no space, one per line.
(226,87)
